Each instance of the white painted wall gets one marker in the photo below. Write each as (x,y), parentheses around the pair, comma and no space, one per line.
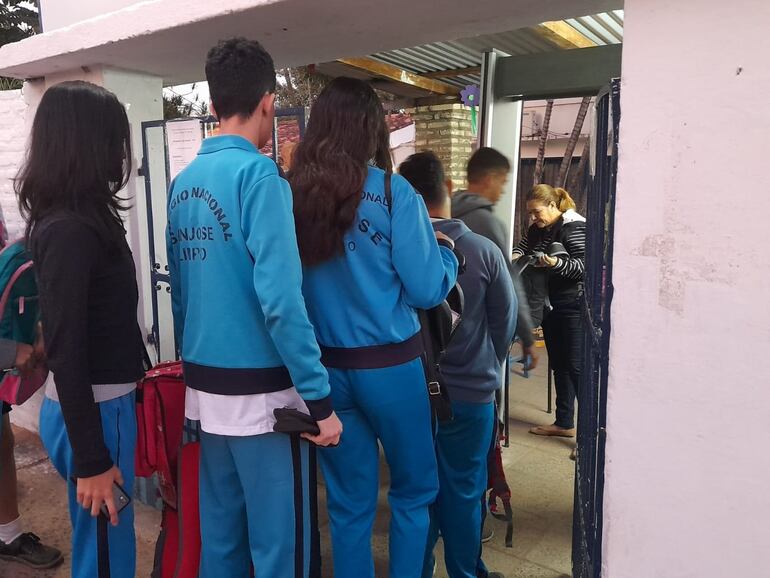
(170,38)
(13,138)
(142,96)
(563,115)
(688,464)
(16,114)
(60,13)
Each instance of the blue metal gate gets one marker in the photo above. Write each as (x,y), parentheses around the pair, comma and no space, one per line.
(592,397)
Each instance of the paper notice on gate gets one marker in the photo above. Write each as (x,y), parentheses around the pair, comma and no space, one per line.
(183,139)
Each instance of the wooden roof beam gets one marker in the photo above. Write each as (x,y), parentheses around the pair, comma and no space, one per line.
(381,69)
(468,71)
(563,35)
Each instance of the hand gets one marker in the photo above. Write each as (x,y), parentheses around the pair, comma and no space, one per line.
(94,491)
(331,430)
(516,256)
(531,353)
(25,358)
(442,237)
(547,261)
(39,347)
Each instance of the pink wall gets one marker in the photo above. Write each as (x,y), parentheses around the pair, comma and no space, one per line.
(688,464)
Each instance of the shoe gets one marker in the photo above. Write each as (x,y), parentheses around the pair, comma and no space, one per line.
(495,575)
(573,454)
(487,532)
(553,430)
(28,550)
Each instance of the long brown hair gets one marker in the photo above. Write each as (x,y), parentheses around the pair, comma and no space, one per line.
(547,194)
(79,157)
(346,132)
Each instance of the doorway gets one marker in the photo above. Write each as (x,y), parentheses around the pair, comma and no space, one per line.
(502,106)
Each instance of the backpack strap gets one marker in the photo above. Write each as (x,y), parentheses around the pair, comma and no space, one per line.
(388,191)
(9,286)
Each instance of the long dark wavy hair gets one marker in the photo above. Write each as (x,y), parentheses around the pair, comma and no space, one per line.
(79,158)
(346,132)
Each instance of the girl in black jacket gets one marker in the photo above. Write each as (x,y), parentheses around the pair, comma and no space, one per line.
(555,221)
(79,160)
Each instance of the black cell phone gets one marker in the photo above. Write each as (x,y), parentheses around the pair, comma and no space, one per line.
(118,494)
(121,499)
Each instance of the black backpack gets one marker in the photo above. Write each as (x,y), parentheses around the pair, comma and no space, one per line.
(437,327)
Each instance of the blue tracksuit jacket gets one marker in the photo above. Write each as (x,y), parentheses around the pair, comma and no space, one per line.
(392,265)
(236,278)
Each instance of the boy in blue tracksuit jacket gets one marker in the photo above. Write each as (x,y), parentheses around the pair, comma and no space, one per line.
(362,302)
(246,342)
(472,370)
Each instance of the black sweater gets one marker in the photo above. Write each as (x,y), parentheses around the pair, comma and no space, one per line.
(88,299)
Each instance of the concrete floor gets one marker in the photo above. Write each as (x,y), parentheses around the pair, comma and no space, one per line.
(538,470)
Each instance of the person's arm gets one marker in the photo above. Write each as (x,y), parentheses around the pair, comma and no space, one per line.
(66,252)
(20,356)
(7,353)
(574,240)
(496,233)
(267,221)
(426,267)
(523,247)
(501,305)
(524,328)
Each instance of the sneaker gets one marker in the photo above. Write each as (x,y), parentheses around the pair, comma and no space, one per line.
(487,532)
(28,550)
(495,575)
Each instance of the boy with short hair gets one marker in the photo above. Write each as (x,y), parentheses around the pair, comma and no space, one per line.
(472,370)
(488,170)
(247,345)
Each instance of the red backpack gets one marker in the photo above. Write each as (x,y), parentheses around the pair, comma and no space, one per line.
(160,450)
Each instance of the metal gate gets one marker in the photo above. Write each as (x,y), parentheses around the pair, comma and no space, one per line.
(592,398)
(156,172)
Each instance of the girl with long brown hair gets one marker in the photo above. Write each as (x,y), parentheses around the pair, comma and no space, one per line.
(371,258)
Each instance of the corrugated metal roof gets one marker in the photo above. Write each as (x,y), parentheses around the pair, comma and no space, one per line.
(605,28)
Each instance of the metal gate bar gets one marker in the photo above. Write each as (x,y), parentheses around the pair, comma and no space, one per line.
(597,298)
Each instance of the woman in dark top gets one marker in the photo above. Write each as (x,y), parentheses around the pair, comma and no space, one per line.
(555,220)
(79,159)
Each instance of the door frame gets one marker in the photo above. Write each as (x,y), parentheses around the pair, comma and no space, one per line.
(581,72)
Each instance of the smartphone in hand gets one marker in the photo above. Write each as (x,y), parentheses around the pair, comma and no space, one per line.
(121,499)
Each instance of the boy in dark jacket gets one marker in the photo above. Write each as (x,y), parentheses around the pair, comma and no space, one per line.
(472,370)
(488,171)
